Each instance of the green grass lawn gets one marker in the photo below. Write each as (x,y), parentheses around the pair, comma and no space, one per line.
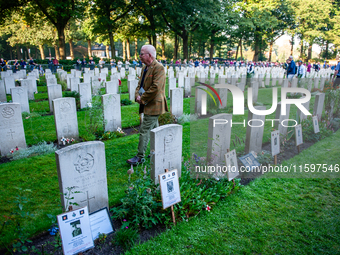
(38,174)
(269,216)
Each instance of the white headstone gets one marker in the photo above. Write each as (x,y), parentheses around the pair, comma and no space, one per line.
(11,128)
(9,83)
(83,166)
(65,118)
(318,105)
(172,84)
(166,143)
(255,130)
(218,139)
(85,94)
(282,119)
(132,89)
(54,92)
(112,112)
(187,87)
(19,95)
(86,78)
(3,97)
(111,87)
(74,82)
(51,81)
(176,102)
(30,86)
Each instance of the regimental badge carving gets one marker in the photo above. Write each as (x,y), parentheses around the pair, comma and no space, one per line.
(7,112)
(169,138)
(84,163)
(20,91)
(65,107)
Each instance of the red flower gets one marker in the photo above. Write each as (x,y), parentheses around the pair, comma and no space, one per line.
(208,208)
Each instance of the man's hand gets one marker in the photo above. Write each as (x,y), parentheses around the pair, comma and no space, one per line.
(138,100)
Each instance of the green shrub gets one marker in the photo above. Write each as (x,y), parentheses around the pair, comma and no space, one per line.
(187,118)
(126,102)
(39,149)
(126,237)
(166,118)
(308,130)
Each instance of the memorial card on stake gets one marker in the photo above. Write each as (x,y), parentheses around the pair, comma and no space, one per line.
(169,186)
(275,142)
(75,231)
(298,135)
(316,124)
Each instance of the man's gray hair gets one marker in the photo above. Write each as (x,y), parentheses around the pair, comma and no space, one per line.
(150,49)
(291,57)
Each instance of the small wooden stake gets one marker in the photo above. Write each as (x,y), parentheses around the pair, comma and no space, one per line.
(275,160)
(298,148)
(172,208)
(234,184)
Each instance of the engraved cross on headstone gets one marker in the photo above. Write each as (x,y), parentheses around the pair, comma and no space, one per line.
(88,200)
(10,133)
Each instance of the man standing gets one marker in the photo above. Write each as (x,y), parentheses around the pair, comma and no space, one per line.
(150,94)
(3,65)
(336,79)
(291,70)
(31,63)
(301,73)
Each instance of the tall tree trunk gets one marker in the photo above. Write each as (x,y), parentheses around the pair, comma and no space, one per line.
(56,50)
(89,50)
(163,46)
(212,44)
(199,46)
(70,42)
(270,51)
(136,48)
(154,40)
(128,48)
(220,49)
(124,50)
(301,49)
(176,47)
(10,52)
(29,53)
(61,41)
(257,47)
(185,38)
(238,45)
(292,45)
(107,50)
(41,48)
(19,56)
(326,53)
(310,51)
(149,38)
(36,53)
(112,44)
(241,49)
(190,45)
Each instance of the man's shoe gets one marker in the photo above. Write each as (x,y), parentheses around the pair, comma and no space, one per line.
(134,161)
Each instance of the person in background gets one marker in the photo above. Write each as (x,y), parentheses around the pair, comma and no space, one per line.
(291,70)
(41,70)
(83,64)
(336,79)
(119,64)
(127,64)
(151,97)
(31,63)
(78,64)
(3,65)
(309,67)
(101,63)
(15,66)
(56,64)
(91,63)
(22,64)
(134,63)
(197,63)
(50,64)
